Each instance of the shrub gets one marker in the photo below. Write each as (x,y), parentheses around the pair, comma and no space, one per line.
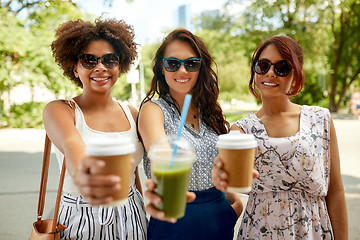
(27,115)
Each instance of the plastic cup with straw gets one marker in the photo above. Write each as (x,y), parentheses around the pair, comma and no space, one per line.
(181,125)
(171,158)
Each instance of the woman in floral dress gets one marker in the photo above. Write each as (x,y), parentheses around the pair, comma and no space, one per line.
(299,192)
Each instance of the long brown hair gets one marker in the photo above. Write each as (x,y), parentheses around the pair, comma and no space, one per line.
(291,51)
(205,92)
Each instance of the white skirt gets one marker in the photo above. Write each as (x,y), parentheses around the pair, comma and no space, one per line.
(84,221)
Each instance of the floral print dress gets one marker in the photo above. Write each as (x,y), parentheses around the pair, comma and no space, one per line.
(287,200)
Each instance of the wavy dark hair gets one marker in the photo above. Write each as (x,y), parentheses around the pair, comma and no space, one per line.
(72,38)
(291,51)
(206,90)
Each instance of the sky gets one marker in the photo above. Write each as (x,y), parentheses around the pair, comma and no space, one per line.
(150,18)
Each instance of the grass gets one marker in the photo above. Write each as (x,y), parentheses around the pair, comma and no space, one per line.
(234,116)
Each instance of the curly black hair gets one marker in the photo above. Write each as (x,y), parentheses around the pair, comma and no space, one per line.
(72,38)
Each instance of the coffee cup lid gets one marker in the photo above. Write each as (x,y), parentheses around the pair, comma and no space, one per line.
(163,149)
(110,146)
(236,140)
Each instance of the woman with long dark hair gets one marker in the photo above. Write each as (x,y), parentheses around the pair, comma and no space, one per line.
(183,65)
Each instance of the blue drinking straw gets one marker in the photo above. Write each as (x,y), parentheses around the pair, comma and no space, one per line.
(181,125)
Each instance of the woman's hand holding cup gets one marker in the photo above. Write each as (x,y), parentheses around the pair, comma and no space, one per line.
(155,199)
(95,188)
(237,151)
(220,176)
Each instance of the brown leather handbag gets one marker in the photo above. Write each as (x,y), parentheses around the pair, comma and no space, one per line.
(47,229)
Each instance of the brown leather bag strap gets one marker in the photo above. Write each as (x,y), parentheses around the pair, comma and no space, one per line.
(70,103)
(43,184)
(58,198)
(44,177)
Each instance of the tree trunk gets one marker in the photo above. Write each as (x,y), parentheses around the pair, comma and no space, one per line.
(333,107)
(341,96)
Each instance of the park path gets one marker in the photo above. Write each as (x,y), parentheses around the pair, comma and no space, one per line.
(21,159)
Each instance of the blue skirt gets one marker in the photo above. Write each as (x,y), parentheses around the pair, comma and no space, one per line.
(210,216)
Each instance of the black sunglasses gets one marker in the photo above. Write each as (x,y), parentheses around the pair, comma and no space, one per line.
(262,66)
(90,61)
(173,64)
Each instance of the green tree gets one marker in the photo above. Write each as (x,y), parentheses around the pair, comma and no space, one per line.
(122,89)
(43,21)
(25,47)
(344,53)
(25,54)
(236,35)
(12,35)
(18,6)
(27,30)
(147,55)
(231,64)
(327,31)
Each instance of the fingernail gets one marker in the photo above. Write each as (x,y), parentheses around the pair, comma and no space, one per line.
(173,220)
(157,201)
(115,179)
(223,175)
(101,163)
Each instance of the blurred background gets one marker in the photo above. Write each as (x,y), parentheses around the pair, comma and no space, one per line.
(328,31)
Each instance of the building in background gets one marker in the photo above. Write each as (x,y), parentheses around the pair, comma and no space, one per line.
(183,17)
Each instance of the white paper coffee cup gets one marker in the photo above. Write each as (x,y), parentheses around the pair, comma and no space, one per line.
(237,151)
(116,152)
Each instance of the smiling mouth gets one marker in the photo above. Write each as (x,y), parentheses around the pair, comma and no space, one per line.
(182,80)
(98,79)
(270,84)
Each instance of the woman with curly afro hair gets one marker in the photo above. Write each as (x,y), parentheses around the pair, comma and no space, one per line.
(93,56)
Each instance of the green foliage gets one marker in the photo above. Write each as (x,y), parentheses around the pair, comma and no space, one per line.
(311,94)
(43,21)
(27,115)
(147,54)
(344,54)
(231,65)
(122,89)
(233,117)
(12,35)
(25,54)
(328,32)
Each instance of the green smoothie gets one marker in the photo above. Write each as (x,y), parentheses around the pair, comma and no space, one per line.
(172,184)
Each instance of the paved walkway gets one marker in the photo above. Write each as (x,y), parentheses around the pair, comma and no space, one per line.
(21,159)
